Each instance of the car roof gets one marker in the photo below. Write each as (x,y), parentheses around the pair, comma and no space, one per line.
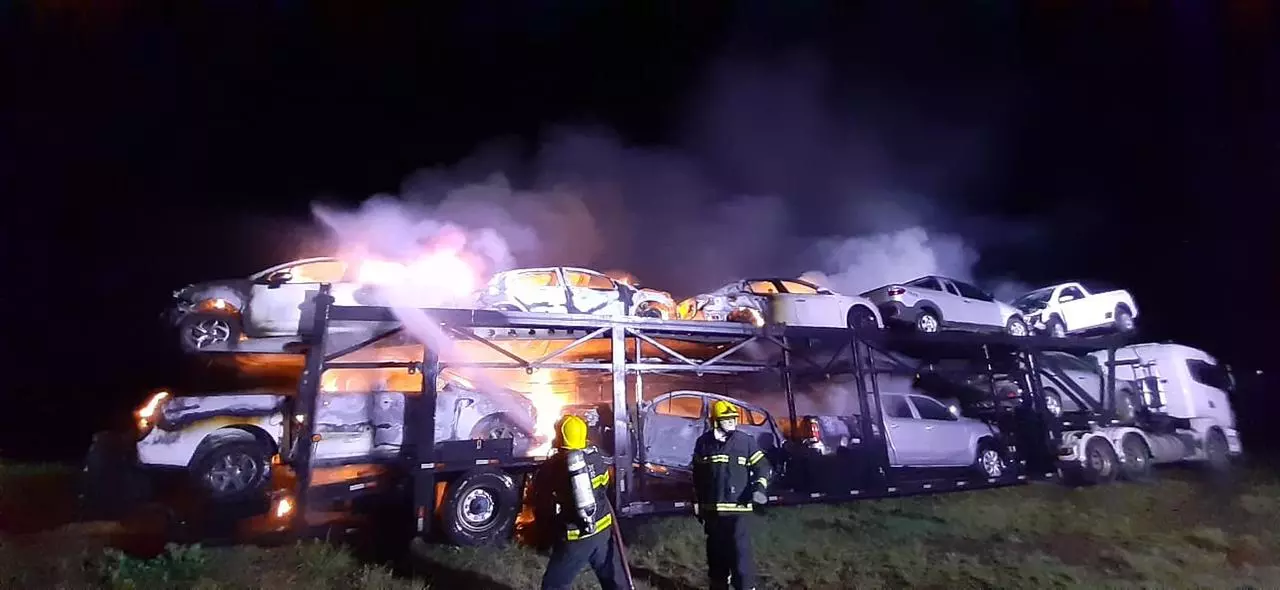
(263,273)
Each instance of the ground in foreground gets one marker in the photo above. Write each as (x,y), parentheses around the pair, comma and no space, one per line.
(1181,531)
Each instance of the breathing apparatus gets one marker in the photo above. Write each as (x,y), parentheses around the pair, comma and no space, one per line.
(573,439)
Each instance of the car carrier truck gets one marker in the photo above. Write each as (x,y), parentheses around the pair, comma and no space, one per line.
(473,491)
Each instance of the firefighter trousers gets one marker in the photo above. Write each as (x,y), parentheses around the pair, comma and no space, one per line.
(729,557)
(599,551)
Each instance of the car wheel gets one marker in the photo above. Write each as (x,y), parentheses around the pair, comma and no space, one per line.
(1056,329)
(648,311)
(1124,319)
(927,322)
(499,426)
(1053,402)
(234,469)
(1016,327)
(862,320)
(1137,458)
(989,462)
(480,508)
(201,331)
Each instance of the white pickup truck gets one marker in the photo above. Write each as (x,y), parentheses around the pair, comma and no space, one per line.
(1071,308)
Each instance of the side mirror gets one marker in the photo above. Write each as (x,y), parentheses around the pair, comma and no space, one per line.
(1066,298)
(277,278)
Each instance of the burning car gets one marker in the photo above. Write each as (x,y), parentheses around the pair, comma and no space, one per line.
(560,289)
(781,301)
(225,441)
(277,301)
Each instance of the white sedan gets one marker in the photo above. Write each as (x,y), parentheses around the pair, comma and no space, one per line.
(781,301)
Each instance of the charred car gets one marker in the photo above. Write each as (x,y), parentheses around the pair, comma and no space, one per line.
(781,301)
(560,289)
(225,441)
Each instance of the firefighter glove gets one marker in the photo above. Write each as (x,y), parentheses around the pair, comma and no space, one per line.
(759,497)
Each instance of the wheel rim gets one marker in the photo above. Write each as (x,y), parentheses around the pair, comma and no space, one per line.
(991,464)
(477,509)
(1125,321)
(209,332)
(234,472)
(1017,329)
(1135,454)
(1059,330)
(1099,462)
(927,323)
(861,319)
(1053,404)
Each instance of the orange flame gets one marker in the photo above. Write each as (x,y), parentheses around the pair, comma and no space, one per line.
(548,402)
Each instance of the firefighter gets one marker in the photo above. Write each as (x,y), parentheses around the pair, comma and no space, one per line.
(578,478)
(730,474)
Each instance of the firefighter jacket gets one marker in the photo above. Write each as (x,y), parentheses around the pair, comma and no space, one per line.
(726,473)
(569,523)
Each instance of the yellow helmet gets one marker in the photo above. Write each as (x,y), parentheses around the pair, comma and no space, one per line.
(573,433)
(723,409)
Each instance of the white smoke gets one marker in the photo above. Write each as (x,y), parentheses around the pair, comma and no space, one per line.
(858,264)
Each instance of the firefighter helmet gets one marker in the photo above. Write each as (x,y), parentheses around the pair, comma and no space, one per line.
(573,432)
(722,410)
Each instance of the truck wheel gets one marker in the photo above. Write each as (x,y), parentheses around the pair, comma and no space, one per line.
(989,462)
(1016,327)
(480,508)
(927,322)
(1055,328)
(199,331)
(1124,319)
(233,468)
(1216,451)
(1137,458)
(1100,462)
(1053,402)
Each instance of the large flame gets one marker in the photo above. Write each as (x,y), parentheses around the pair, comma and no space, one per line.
(442,275)
(548,402)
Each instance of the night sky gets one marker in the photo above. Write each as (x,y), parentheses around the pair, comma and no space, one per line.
(142,150)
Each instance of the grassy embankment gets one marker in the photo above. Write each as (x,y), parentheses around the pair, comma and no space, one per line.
(1179,532)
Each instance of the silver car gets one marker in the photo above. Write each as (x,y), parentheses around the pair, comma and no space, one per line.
(933,303)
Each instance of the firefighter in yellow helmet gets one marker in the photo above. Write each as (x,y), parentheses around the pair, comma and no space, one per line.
(730,474)
(578,478)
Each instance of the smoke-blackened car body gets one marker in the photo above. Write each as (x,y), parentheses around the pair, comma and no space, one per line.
(933,303)
(781,301)
(560,289)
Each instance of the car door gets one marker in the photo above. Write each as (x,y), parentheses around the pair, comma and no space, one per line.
(953,306)
(279,303)
(593,293)
(908,443)
(979,305)
(537,289)
(672,424)
(811,307)
(947,436)
(1075,309)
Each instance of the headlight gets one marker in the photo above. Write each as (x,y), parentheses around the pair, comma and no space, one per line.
(149,412)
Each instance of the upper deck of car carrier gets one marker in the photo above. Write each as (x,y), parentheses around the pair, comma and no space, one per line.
(622,347)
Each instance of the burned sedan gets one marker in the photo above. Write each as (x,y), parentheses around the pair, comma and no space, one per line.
(781,301)
(225,441)
(572,290)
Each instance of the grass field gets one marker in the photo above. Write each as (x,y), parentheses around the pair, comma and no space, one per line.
(1179,532)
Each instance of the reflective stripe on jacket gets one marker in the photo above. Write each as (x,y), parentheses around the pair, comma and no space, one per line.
(725,473)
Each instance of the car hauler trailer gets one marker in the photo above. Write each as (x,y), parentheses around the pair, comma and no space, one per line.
(475,489)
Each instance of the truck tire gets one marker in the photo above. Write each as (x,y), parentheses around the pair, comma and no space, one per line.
(1136,466)
(989,463)
(1100,466)
(1217,452)
(480,508)
(1124,319)
(233,467)
(1055,328)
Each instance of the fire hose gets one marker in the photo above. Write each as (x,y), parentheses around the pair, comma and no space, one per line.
(622,551)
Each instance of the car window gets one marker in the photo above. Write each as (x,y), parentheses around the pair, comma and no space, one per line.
(950,288)
(800,288)
(929,283)
(326,271)
(1071,292)
(895,406)
(762,287)
(972,292)
(683,406)
(588,280)
(533,279)
(753,417)
(1209,374)
(931,409)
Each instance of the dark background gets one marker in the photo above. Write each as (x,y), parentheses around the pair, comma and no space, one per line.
(146,146)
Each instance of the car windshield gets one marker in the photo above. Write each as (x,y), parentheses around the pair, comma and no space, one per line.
(1037,297)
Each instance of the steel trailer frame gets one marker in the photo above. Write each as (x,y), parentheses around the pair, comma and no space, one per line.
(424,460)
